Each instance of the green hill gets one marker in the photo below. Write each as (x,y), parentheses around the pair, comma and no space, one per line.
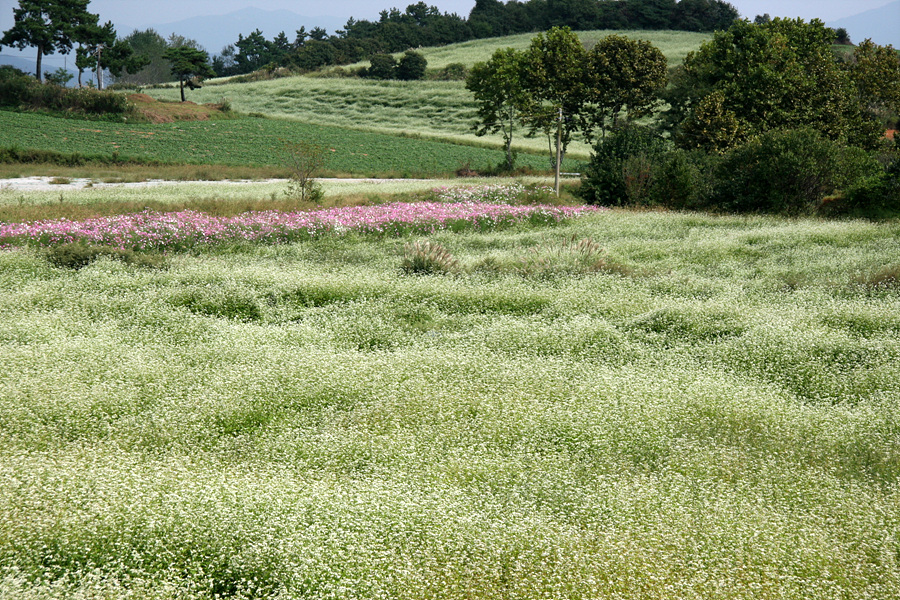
(442,110)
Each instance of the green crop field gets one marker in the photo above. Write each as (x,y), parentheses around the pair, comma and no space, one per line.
(247,141)
(706,408)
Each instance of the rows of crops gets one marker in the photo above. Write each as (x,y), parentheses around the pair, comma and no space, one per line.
(246,141)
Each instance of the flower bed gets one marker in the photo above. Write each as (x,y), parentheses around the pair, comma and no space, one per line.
(179,230)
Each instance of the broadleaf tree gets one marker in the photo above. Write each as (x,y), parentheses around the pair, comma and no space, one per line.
(624,77)
(553,76)
(499,95)
(777,74)
(188,64)
(48,26)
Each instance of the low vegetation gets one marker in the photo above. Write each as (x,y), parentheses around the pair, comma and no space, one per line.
(613,405)
(211,142)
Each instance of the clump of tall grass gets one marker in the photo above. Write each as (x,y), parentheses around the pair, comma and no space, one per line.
(427,258)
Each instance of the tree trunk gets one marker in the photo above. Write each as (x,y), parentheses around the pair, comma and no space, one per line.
(181,82)
(99,70)
(40,55)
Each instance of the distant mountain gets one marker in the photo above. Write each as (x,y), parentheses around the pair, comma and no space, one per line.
(880,24)
(214,32)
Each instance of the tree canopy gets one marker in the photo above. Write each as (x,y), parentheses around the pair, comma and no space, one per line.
(187,64)
(776,74)
(48,26)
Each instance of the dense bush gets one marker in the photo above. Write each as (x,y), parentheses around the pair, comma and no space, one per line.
(383,66)
(620,169)
(788,172)
(682,179)
(19,90)
(14,86)
(411,66)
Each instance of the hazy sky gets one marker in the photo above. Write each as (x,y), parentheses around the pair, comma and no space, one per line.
(138,13)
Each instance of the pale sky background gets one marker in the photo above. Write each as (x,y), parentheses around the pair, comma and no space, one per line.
(136,13)
(128,15)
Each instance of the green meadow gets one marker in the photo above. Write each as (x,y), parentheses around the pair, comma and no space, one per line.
(705,409)
(246,141)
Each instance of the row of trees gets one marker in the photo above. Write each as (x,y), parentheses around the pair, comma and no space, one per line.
(423,25)
(557,87)
(51,26)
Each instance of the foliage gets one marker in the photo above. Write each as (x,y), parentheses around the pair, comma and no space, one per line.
(624,77)
(99,48)
(753,78)
(788,172)
(426,258)
(620,169)
(18,90)
(553,79)
(60,77)
(411,66)
(875,71)
(188,65)
(500,96)
(78,255)
(383,66)
(150,44)
(48,26)
(304,159)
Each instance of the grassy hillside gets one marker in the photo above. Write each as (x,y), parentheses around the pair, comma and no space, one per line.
(246,141)
(442,110)
(674,44)
(708,412)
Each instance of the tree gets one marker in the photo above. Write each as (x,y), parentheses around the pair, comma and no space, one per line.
(553,76)
(780,74)
(875,70)
(151,45)
(48,26)
(99,48)
(411,67)
(624,77)
(501,99)
(187,64)
(253,52)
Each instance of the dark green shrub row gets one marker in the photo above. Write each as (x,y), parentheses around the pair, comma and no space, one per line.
(19,90)
(14,155)
(78,255)
(789,172)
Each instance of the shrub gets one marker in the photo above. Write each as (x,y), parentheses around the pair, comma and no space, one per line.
(411,66)
(79,255)
(14,86)
(681,179)
(619,171)
(383,66)
(789,172)
(452,72)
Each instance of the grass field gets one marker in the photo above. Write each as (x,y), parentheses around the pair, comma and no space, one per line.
(705,409)
(674,44)
(247,142)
